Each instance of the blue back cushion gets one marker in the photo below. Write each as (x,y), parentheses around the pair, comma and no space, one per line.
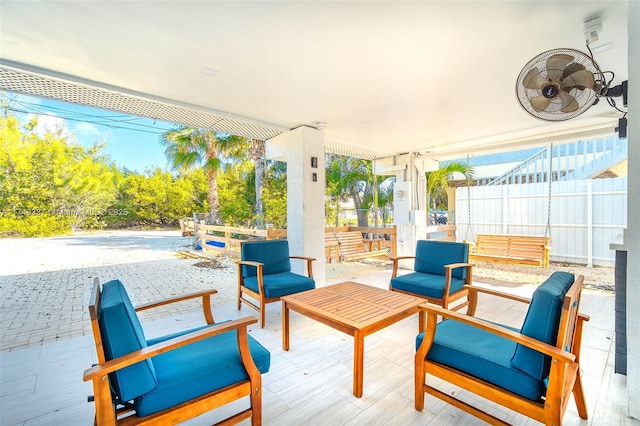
(541,323)
(121,334)
(431,256)
(273,253)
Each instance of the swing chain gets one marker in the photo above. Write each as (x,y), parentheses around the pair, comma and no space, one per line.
(469,230)
(547,231)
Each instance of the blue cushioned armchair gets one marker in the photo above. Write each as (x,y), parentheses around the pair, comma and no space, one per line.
(170,379)
(264,274)
(532,370)
(440,273)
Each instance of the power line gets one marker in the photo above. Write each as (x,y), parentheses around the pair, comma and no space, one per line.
(124,122)
(111,126)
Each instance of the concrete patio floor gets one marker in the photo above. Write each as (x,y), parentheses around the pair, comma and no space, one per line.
(46,342)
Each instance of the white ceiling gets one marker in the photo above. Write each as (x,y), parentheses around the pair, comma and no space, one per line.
(386,77)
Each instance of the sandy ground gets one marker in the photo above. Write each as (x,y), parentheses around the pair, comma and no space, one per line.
(45,283)
(21,256)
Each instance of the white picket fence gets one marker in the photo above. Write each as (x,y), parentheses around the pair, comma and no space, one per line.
(585,216)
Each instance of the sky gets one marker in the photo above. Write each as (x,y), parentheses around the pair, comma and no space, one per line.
(130,141)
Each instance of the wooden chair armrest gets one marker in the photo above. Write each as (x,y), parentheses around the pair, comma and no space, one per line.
(458,265)
(303,258)
(166,346)
(497,293)
(206,303)
(250,263)
(175,299)
(545,348)
(309,260)
(395,260)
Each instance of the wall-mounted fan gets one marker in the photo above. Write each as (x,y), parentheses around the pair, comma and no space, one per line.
(559,84)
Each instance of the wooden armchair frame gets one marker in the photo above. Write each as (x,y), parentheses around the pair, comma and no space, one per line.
(446,297)
(564,376)
(109,413)
(260,296)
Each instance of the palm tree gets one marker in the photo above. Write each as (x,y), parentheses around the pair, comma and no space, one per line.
(336,185)
(438,182)
(188,148)
(385,197)
(348,177)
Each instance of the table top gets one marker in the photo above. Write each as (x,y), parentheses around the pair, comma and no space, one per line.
(355,305)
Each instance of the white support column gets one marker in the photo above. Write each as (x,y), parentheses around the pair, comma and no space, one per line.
(633,208)
(305,194)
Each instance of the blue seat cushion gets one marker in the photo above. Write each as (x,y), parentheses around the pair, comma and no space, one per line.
(197,369)
(281,284)
(541,323)
(432,256)
(121,334)
(425,284)
(274,254)
(481,354)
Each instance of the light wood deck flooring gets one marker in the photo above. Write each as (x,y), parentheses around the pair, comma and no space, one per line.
(312,383)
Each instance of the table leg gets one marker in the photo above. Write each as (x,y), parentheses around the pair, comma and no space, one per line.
(358,363)
(285,326)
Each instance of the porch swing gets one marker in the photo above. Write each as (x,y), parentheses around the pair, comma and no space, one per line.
(530,250)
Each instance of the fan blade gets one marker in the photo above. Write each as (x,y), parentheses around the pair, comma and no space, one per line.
(581,79)
(533,79)
(569,103)
(571,68)
(556,65)
(540,103)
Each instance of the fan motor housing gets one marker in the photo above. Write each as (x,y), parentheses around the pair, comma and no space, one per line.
(550,91)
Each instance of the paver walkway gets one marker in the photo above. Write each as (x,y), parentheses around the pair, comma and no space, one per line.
(45,283)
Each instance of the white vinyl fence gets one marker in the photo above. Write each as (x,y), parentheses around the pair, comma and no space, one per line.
(585,215)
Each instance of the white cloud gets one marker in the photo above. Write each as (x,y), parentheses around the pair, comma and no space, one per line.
(87,129)
(53,124)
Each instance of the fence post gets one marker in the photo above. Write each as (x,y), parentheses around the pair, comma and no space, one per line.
(505,209)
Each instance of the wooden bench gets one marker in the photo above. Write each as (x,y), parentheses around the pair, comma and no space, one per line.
(514,249)
(349,246)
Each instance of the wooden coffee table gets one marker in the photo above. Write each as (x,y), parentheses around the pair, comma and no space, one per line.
(355,309)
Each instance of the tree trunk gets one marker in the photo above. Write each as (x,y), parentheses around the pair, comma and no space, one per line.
(363,217)
(362,214)
(214,201)
(212,178)
(257,156)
